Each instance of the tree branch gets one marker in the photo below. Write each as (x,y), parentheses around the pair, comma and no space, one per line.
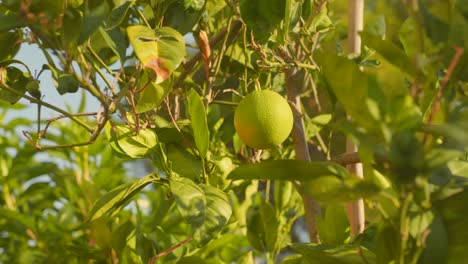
(169,250)
(311,208)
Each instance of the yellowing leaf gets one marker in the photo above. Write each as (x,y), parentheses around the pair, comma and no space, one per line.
(162,49)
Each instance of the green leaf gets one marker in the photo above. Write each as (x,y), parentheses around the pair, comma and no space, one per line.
(9,20)
(288,170)
(270,225)
(330,189)
(152,96)
(66,83)
(92,20)
(117,14)
(214,6)
(420,222)
(344,254)
(345,79)
(321,21)
(199,123)
(217,213)
(283,191)
(206,208)
(195,5)
(9,44)
(316,124)
(455,207)
(438,157)
(458,241)
(183,163)
(332,227)
(452,131)
(119,196)
(256,232)
(260,17)
(162,49)
(180,18)
(387,243)
(70,29)
(436,243)
(124,140)
(13,78)
(33,88)
(191,260)
(105,46)
(458,168)
(390,52)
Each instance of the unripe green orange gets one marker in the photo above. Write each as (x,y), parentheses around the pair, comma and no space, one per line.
(263,119)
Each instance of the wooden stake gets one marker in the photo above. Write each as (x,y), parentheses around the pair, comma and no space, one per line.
(355,210)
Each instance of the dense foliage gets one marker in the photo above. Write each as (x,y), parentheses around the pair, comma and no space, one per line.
(168,75)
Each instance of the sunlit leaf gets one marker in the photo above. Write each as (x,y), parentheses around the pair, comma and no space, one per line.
(162,49)
(152,95)
(390,52)
(119,196)
(333,226)
(126,141)
(199,123)
(349,254)
(289,170)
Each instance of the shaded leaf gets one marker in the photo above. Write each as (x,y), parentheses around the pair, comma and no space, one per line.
(66,83)
(183,163)
(206,208)
(217,214)
(387,243)
(92,20)
(9,20)
(15,79)
(436,243)
(118,13)
(9,44)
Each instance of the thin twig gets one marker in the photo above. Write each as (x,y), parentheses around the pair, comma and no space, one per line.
(436,106)
(169,250)
(174,122)
(61,111)
(44,132)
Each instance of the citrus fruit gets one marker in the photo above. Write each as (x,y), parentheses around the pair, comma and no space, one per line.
(263,119)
